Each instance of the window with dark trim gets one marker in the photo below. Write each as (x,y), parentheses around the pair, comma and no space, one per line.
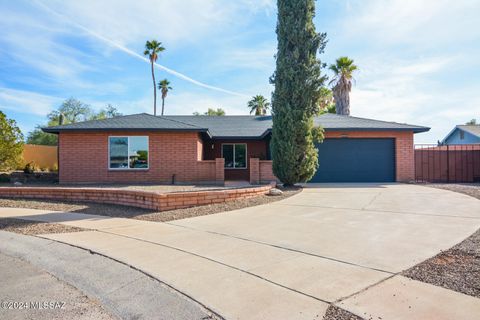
(128,152)
(235,155)
(462,135)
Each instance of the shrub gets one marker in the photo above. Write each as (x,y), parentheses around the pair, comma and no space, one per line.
(4,177)
(11,143)
(29,168)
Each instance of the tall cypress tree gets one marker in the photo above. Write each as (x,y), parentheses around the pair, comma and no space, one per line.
(297,81)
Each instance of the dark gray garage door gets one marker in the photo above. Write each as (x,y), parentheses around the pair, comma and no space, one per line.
(356,160)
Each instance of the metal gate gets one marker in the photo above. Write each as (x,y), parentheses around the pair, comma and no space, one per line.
(452,163)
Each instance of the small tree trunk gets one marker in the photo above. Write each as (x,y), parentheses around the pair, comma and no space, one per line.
(154,92)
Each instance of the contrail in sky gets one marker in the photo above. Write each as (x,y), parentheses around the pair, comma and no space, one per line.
(134,54)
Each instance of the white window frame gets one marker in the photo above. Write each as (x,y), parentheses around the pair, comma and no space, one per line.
(246,156)
(128,154)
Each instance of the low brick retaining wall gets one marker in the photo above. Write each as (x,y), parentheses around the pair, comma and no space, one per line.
(142,199)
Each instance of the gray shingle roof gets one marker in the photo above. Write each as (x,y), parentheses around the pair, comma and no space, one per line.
(228,126)
(141,121)
(472,129)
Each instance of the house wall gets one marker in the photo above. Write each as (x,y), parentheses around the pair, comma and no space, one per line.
(255,149)
(84,159)
(468,138)
(404,153)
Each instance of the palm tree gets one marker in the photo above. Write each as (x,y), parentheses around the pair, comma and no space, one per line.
(259,105)
(343,70)
(164,85)
(152,49)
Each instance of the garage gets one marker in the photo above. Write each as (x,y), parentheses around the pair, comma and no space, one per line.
(356,160)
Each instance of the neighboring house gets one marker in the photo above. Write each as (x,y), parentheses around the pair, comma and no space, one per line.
(143,148)
(463,134)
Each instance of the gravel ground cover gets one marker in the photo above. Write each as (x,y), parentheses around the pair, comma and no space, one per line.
(34,227)
(139,213)
(158,188)
(471,189)
(457,268)
(336,313)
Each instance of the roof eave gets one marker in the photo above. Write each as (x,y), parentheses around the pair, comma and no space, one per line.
(415,130)
(58,130)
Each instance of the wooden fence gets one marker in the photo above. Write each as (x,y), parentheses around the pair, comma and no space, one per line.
(453,163)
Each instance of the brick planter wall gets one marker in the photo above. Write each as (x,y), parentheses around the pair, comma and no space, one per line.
(141,199)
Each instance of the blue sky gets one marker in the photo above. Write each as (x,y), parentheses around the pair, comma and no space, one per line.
(418,60)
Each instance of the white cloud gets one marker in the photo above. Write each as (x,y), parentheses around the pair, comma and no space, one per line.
(256,58)
(27,102)
(416,60)
(406,91)
(425,22)
(110,41)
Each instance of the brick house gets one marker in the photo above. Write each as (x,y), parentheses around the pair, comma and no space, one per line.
(143,148)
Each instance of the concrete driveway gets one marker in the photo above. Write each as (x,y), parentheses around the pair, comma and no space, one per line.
(342,244)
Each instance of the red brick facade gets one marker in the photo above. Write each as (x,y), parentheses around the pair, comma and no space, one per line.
(84,158)
(185,157)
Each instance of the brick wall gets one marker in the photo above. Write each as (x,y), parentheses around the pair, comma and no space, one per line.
(84,159)
(261,171)
(404,159)
(266,171)
(254,171)
(142,199)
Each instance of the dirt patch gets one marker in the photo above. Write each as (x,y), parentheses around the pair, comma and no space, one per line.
(336,313)
(35,227)
(143,214)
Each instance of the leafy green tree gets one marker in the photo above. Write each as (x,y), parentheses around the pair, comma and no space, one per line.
(343,74)
(39,137)
(109,112)
(152,50)
(11,144)
(211,112)
(164,86)
(70,111)
(326,103)
(298,82)
(259,104)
